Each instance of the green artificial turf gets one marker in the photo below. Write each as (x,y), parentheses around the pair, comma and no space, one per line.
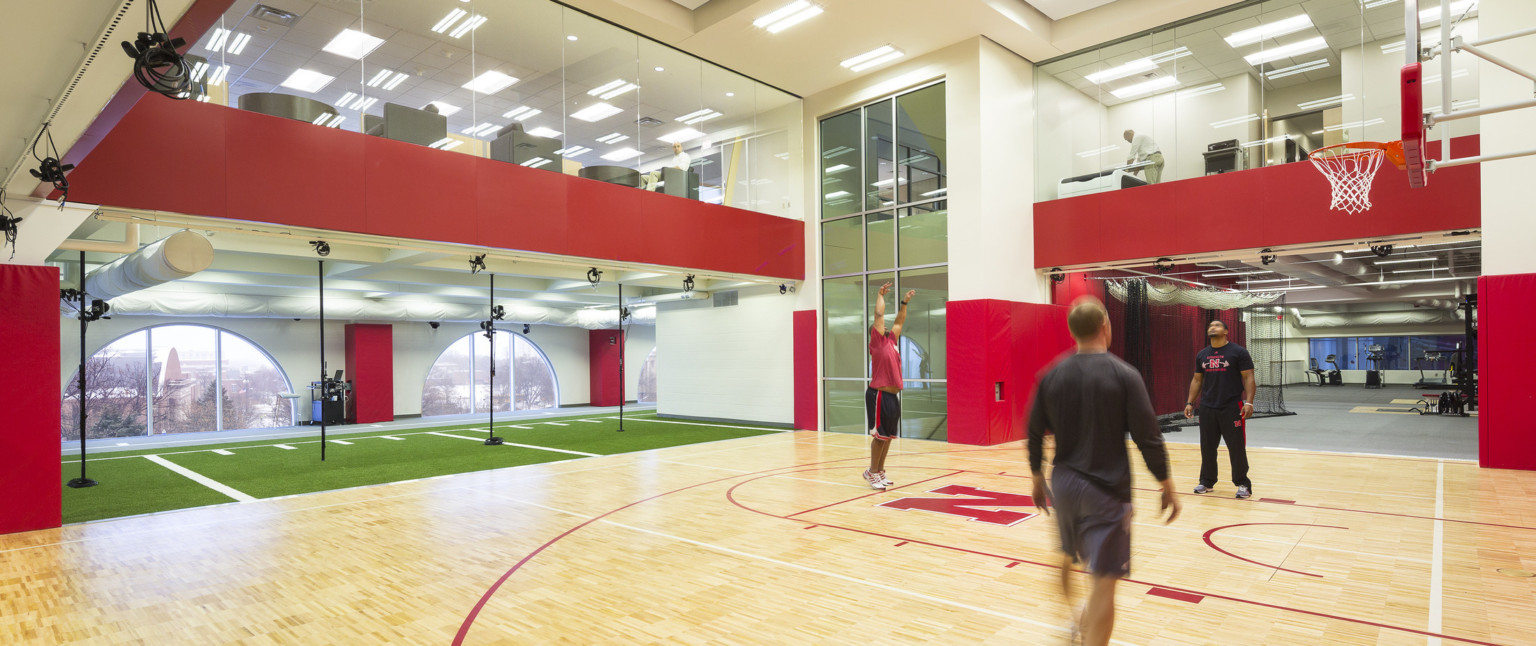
(134,485)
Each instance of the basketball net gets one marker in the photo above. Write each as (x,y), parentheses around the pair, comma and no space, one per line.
(1350,169)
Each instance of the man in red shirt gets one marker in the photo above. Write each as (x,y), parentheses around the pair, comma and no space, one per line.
(882,398)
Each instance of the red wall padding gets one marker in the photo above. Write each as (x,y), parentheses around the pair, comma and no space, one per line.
(806,389)
(1506,422)
(1263,207)
(606,347)
(371,369)
(30,481)
(247,166)
(991,341)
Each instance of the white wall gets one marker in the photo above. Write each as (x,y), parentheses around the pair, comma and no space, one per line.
(1181,125)
(1508,228)
(732,362)
(1070,122)
(296,344)
(1375,80)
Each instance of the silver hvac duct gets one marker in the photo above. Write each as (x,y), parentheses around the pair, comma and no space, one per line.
(202,304)
(172,258)
(1352,319)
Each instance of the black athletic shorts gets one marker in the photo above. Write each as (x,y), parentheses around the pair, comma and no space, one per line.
(884,412)
(1095,526)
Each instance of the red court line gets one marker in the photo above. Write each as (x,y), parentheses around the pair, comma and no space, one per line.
(1175,594)
(730,496)
(909,484)
(1213,545)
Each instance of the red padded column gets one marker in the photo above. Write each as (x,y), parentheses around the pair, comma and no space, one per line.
(371,369)
(606,347)
(1506,430)
(806,387)
(29,365)
(991,342)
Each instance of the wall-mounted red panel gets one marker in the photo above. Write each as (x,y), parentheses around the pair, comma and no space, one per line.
(1264,207)
(993,342)
(605,348)
(223,162)
(29,438)
(806,390)
(371,369)
(1506,430)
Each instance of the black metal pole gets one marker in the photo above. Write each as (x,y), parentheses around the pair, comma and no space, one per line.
(324,386)
(490,333)
(621,357)
(82,481)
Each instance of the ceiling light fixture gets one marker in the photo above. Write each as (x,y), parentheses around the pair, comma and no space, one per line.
(448,20)
(216,43)
(1202,90)
(622,154)
(1403,260)
(305,80)
(1236,273)
(380,78)
(1319,103)
(445,109)
(353,44)
(837,169)
(612,138)
(1270,30)
(788,16)
(467,26)
(396,81)
(596,112)
(680,136)
(535,162)
(217,77)
(1234,121)
(1145,87)
(573,151)
(490,82)
(1286,51)
(699,116)
(335,121)
(237,45)
(544,132)
(879,55)
(1299,68)
(612,89)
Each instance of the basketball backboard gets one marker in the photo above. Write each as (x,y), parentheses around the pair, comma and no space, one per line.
(1412,81)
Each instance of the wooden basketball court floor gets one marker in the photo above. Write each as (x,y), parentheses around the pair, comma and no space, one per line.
(776,539)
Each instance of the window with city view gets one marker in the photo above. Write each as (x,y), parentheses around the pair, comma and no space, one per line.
(176,379)
(459,381)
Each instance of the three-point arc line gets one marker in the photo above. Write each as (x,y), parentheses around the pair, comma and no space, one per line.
(1212,543)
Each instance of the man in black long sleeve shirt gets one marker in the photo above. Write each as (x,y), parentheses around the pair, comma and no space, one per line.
(1091,400)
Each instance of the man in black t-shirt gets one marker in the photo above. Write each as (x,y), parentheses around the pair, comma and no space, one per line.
(1224,387)
(1091,401)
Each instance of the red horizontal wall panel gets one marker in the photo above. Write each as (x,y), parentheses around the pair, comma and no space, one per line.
(1263,207)
(208,160)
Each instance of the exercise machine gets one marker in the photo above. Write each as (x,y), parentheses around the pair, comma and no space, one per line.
(1434,359)
(328,399)
(1335,376)
(1312,369)
(1373,354)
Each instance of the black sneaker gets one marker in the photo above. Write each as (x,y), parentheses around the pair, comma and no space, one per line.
(1203,489)
(1243,492)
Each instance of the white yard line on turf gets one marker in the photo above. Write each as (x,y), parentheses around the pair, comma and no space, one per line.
(554,423)
(200,478)
(223,452)
(286,447)
(750,428)
(1437,564)
(524,446)
(391,437)
(339,442)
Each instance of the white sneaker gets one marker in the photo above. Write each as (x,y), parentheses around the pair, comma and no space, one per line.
(886,479)
(875,481)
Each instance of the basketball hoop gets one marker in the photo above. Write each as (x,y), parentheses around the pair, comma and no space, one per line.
(1351,167)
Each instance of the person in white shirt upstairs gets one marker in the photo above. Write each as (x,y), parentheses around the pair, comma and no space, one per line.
(680,161)
(1145,150)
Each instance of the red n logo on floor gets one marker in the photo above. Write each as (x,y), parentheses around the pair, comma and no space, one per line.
(968,507)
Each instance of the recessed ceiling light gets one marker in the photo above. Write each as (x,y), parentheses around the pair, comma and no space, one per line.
(622,154)
(873,57)
(307,80)
(447,21)
(612,89)
(1145,87)
(838,168)
(1286,51)
(536,162)
(661,69)
(730,94)
(612,138)
(573,151)
(481,130)
(788,16)
(544,132)
(571,37)
(335,121)
(1269,30)
(353,44)
(380,78)
(216,43)
(680,136)
(467,26)
(238,44)
(217,77)
(490,82)
(699,116)
(445,109)
(521,113)
(395,82)
(596,112)
(198,70)
(1298,68)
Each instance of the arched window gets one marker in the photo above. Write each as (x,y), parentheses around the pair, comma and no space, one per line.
(177,379)
(648,378)
(459,381)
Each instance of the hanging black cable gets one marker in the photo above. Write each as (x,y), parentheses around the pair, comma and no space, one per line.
(156,63)
(49,169)
(9,224)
